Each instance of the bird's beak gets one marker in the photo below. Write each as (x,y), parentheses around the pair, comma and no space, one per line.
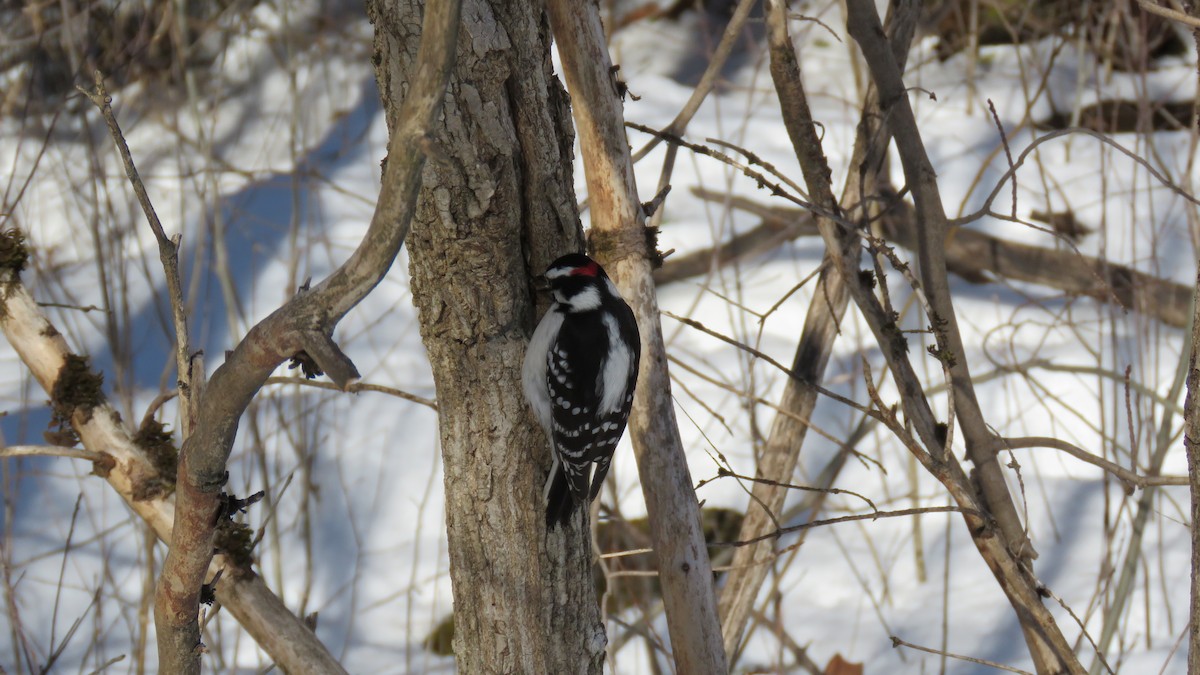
(541,284)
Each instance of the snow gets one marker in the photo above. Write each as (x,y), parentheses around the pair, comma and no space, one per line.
(287,159)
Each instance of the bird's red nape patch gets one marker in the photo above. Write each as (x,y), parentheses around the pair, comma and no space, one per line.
(589,270)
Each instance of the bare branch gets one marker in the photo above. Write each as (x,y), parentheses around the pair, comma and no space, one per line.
(155,405)
(331,359)
(821,324)
(692,323)
(1060,133)
(1129,478)
(725,473)
(897,642)
(617,216)
(1047,645)
(720,55)
(354,388)
(1191,442)
(125,466)
(874,515)
(287,331)
(1168,13)
(168,250)
(865,29)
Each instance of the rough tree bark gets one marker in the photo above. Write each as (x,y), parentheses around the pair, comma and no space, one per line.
(497,206)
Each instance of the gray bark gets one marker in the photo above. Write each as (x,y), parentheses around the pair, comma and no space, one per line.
(496,207)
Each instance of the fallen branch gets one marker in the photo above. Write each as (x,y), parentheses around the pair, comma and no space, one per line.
(974,256)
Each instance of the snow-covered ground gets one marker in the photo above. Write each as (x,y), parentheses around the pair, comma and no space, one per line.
(286,161)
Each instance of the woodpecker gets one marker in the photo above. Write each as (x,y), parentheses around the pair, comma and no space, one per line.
(579,373)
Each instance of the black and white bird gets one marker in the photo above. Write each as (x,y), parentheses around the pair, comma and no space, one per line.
(579,374)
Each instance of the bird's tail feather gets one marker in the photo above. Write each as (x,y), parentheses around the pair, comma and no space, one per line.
(560,501)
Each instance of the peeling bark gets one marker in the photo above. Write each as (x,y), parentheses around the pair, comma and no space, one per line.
(619,237)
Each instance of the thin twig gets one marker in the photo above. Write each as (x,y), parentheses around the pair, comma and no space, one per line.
(726,473)
(733,32)
(776,189)
(354,388)
(61,305)
(1130,478)
(800,653)
(1082,627)
(104,666)
(1007,152)
(773,406)
(625,554)
(1168,13)
(874,515)
(755,160)
(897,642)
(158,402)
(168,249)
(1059,133)
(755,352)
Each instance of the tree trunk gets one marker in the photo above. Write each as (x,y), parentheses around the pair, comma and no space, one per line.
(496,207)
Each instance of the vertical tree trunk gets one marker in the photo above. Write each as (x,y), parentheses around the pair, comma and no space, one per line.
(1191,441)
(497,203)
(1191,436)
(619,239)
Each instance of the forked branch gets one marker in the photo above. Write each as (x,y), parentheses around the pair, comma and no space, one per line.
(1009,562)
(124,465)
(303,324)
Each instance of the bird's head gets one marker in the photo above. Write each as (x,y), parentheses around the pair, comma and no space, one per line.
(578,283)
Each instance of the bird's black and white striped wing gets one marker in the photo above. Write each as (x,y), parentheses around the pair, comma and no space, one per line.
(573,402)
(590,400)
